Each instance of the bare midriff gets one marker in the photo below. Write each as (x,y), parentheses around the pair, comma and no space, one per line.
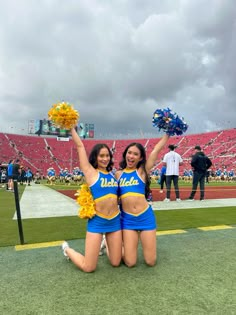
(107,207)
(134,204)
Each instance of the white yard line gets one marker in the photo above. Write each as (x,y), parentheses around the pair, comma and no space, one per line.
(39,201)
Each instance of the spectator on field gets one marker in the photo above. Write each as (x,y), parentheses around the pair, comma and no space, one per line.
(200,164)
(172,160)
(29,176)
(22,175)
(3,178)
(207,176)
(10,176)
(37,177)
(16,170)
(162,178)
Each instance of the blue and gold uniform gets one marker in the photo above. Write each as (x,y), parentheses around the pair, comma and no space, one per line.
(130,184)
(106,186)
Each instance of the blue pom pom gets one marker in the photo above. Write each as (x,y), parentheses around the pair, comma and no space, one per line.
(169,122)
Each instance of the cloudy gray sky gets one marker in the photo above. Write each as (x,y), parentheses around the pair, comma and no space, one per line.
(117,61)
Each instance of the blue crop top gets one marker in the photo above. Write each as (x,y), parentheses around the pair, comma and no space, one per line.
(130,184)
(106,186)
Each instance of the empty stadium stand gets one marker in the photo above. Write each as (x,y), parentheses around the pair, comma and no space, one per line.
(40,152)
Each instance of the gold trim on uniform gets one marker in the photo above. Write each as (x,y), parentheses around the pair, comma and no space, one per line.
(137,214)
(131,194)
(115,214)
(105,197)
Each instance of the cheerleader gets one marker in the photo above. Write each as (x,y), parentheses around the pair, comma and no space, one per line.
(137,216)
(104,189)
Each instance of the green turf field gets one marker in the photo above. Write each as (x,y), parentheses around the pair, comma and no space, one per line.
(195,272)
(51,229)
(195,275)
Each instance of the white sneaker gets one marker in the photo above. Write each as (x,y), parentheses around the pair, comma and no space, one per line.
(103,246)
(166,200)
(64,246)
(178,199)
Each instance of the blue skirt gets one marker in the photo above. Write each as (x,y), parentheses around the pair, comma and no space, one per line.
(99,224)
(146,221)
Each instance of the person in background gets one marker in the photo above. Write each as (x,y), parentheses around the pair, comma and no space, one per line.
(163,178)
(10,176)
(200,164)
(186,175)
(22,175)
(172,160)
(104,189)
(3,176)
(207,176)
(137,216)
(51,176)
(218,174)
(16,170)
(37,177)
(29,176)
(61,175)
(231,175)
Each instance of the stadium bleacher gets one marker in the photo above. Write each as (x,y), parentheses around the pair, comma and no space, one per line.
(42,152)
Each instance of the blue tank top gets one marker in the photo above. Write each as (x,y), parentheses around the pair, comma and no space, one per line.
(130,184)
(106,186)
(10,169)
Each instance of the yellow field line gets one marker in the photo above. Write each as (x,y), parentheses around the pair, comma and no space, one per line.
(170,232)
(159,233)
(215,227)
(38,245)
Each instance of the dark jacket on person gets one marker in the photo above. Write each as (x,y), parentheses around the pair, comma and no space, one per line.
(15,170)
(200,162)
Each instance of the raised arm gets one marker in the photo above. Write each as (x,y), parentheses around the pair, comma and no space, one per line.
(154,154)
(85,166)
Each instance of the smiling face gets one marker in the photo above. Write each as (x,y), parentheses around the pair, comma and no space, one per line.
(103,159)
(133,157)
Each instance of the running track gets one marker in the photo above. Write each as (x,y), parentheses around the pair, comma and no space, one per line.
(222,192)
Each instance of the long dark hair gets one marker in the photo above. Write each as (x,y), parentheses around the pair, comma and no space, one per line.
(141,163)
(93,156)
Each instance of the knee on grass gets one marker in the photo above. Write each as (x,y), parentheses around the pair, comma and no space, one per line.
(130,263)
(85,267)
(89,269)
(151,262)
(115,263)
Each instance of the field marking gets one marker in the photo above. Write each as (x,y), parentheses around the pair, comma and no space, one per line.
(38,245)
(158,233)
(170,232)
(39,201)
(196,204)
(215,227)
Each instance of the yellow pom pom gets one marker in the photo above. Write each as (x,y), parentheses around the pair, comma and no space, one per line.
(63,115)
(86,202)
